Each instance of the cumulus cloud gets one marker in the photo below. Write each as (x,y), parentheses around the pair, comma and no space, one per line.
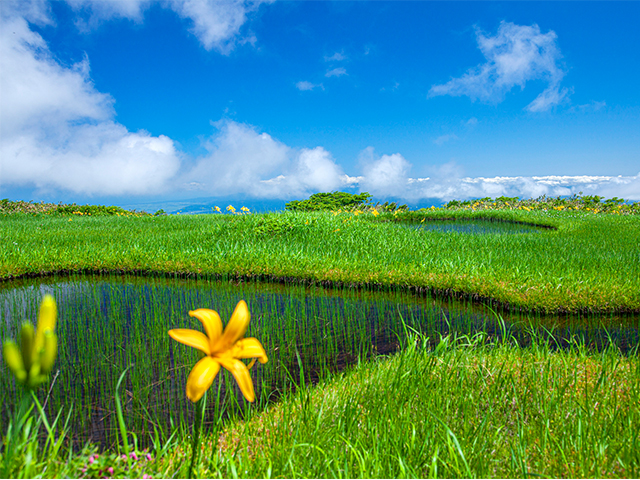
(515,55)
(384,175)
(306,86)
(57,131)
(241,160)
(336,72)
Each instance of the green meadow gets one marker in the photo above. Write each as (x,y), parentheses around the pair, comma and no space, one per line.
(442,400)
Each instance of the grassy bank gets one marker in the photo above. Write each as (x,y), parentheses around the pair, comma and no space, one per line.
(459,407)
(462,409)
(587,262)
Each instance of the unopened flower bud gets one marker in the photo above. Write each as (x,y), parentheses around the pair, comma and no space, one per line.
(46,322)
(13,359)
(50,352)
(26,344)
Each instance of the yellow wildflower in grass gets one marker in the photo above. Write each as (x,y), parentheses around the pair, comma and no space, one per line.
(221,349)
(217,208)
(231,209)
(375,213)
(245,209)
(32,362)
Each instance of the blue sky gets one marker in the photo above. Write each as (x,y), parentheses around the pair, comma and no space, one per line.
(134,102)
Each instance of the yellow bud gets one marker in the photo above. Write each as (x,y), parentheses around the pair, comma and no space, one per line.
(13,359)
(26,345)
(50,352)
(46,322)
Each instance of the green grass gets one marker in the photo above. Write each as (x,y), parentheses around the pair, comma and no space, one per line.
(462,407)
(590,262)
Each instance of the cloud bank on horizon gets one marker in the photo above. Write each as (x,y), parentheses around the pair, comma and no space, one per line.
(59,132)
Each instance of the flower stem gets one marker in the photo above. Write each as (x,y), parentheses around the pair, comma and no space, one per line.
(197,427)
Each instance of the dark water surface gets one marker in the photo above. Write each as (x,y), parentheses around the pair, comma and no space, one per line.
(108,324)
(474,227)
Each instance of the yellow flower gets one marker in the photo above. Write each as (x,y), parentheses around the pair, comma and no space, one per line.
(33,360)
(244,209)
(217,209)
(221,349)
(374,213)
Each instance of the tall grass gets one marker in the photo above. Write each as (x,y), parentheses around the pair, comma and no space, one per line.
(462,409)
(588,263)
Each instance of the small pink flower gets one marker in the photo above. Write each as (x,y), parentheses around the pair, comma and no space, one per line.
(145,476)
(123,457)
(110,470)
(91,459)
(148,457)
(134,456)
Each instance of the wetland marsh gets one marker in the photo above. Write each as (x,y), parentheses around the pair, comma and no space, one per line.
(466,310)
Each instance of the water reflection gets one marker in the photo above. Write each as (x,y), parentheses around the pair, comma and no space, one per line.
(110,323)
(475,227)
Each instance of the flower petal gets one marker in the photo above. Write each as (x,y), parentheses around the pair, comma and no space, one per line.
(241,373)
(192,338)
(235,328)
(211,322)
(201,378)
(249,348)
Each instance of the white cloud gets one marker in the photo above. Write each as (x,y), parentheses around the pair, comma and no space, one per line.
(336,57)
(243,161)
(90,13)
(34,11)
(216,24)
(57,131)
(306,86)
(447,183)
(592,106)
(515,55)
(336,72)
(445,138)
(386,175)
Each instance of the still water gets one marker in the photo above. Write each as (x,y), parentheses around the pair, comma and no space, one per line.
(109,324)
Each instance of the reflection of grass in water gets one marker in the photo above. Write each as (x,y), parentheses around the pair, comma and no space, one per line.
(474,227)
(107,325)
(589,263)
